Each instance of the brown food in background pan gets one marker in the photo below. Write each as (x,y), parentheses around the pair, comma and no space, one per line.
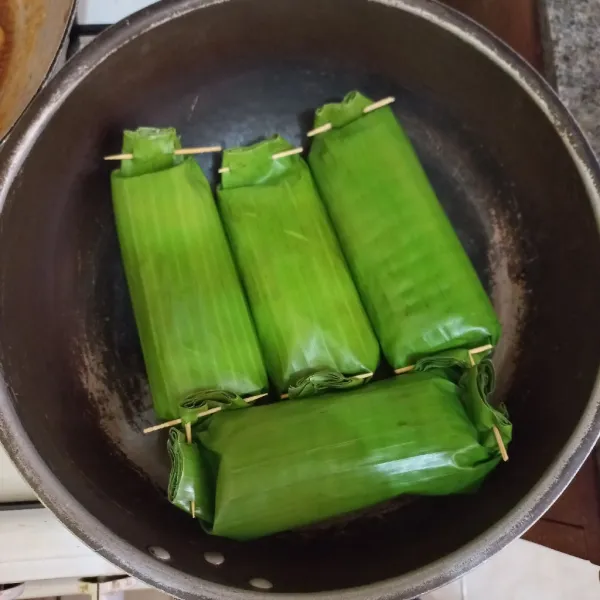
(32,33)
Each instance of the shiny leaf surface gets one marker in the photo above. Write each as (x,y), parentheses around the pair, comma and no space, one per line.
(416,281)
(194,325)
(306,308)
(285,465)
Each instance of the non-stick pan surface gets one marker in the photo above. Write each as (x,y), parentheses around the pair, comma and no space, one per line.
(510,167)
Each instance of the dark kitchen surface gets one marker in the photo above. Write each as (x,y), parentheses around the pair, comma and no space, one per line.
(514,21)
(572,525)
(572,57)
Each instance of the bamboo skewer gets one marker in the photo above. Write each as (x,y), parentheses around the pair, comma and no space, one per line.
(205,150)
(323,129)
(360,376)
(287,153)
(209,149)
(188,439)
(205,413)
(379,104)
(500,443)
(276,156)
(405,370)
(180,152)
(366,110)
(479,351)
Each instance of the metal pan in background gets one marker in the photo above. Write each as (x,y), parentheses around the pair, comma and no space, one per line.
(32,37)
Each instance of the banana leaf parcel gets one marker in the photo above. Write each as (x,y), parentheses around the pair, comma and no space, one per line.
(418,285)
(193,322)
(308,314)
(262,470)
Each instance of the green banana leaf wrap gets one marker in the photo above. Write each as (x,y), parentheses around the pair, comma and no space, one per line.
(193,322)
(416,281)
(308,313)
(290,464)
(190,477)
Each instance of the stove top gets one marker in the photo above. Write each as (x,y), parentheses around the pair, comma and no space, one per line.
(95,15)
(106,12)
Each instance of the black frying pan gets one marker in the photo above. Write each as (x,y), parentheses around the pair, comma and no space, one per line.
(511,168)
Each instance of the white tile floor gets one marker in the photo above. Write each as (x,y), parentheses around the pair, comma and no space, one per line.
(12,486)
(526,571)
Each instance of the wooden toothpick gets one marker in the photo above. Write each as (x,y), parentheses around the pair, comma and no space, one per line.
(188,439)
(317,130)
(362,376)
(207,149)
(500,443)
(478,351)
(180,152)
(379,104)
(285,153)
(328,126)
(205,413)
(276,156)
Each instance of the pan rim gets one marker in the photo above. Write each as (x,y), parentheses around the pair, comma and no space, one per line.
(441,572)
